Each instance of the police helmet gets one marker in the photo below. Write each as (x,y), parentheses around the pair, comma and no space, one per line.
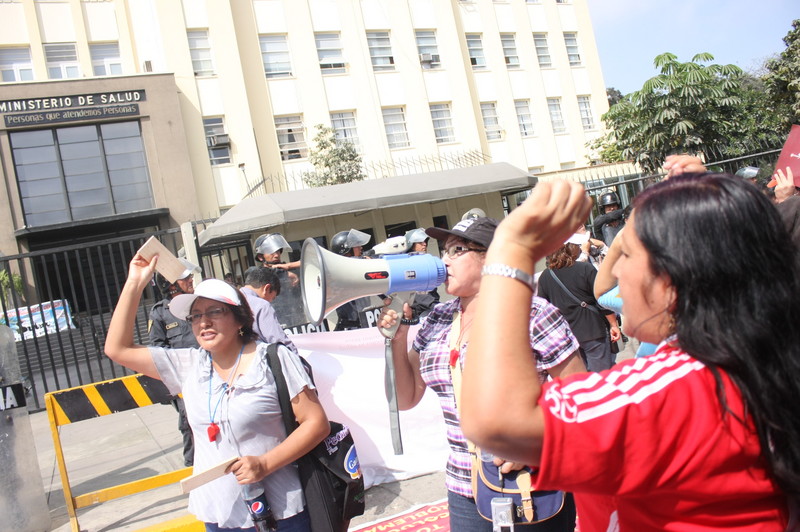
(474,213)
(609,198)
(269,244)
(748,172)
(415,236)
(343,241)
(167,287)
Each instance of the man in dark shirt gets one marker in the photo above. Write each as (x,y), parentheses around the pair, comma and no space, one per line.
(166,330)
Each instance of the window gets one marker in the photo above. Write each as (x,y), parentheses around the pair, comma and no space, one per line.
(291,137)
(62,61)
(542,51)
(219,146)
(556,118)
(15,64)
(562,1)
(571,42)
(394,121)
(509,49)
(533,1)
(275,56)
(490,122)
(524,117)
(344,124)
(105,59)
(78,173)
(585,108)
(329,51)
(442,123)
(427,48)
(200,50)
(475,48)
(380,50)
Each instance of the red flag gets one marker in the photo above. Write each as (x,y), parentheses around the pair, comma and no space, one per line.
(790,157)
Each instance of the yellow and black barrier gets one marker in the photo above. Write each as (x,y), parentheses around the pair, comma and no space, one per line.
(77,404)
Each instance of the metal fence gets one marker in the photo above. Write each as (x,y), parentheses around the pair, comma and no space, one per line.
(58,302)
(62,303)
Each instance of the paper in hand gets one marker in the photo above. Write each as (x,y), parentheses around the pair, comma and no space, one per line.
(168,265)
(204,477)
(790,155)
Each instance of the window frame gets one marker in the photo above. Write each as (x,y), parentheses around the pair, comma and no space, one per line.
(291,149)
(431,47)
(443,128)
(379,43)
(16,65)
(524,118)
(510,50)
(491,121)
(327,63)
(67,68)
(213,126)
(556,116)
(585,110)
(105,61)
(573,48)
(265,54)
(542,50)
(348,127)
(476,56)
(398,139)
(200,54)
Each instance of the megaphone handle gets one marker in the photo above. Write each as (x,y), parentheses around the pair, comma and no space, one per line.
(398,300)
(391,396)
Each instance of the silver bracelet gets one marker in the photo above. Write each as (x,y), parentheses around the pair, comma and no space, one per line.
(504,270)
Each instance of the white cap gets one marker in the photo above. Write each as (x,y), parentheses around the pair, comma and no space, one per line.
(181,305)
(577,239)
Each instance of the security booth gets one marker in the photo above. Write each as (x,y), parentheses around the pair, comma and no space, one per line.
(23,505)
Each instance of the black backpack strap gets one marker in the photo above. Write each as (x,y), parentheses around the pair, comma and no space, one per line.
(572,296)
(274,361)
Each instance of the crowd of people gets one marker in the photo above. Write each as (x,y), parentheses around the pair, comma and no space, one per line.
(701,434)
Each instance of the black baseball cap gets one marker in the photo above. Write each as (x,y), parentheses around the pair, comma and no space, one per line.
(478,230)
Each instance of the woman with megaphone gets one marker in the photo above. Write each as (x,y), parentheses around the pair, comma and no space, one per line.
(437,352)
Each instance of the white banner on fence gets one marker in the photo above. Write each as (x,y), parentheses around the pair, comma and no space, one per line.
(349,372)
(39,319)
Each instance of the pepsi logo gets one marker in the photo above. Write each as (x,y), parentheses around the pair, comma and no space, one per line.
(257,507)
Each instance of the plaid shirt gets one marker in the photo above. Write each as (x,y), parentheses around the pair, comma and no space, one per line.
(552,342)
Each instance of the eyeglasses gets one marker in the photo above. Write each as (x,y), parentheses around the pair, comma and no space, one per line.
(456,251)
(212,314)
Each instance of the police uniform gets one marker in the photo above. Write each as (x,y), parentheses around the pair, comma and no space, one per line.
(168,331)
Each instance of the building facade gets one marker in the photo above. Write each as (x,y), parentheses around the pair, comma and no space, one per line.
(516,80)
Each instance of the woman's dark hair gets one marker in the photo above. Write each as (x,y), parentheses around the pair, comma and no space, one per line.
(729,258)
(564,257)
(244,317)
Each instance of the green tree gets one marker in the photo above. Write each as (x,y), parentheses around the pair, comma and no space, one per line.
(9,282)
(684,109)
(783,77)
(613,95)
(335,161)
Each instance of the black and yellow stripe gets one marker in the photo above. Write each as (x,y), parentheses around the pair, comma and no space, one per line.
(106,397)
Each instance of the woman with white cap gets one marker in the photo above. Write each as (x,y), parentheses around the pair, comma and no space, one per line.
(231,399)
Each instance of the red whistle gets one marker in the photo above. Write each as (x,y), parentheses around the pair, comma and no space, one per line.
(213,430)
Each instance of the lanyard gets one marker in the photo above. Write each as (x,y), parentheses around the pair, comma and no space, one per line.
(213,428)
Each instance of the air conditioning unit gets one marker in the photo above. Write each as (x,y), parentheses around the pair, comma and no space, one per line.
(426,58)
(213,141)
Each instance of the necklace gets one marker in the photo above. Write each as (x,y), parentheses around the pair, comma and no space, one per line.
(458,335)
(213,428)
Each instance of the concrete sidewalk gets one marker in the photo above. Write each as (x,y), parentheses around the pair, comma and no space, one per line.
(119,448)
(111,450)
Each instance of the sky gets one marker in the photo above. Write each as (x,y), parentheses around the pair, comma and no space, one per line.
(631,33)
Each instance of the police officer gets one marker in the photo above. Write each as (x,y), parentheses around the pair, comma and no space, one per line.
(268,249)
(417,242)
(166,330)
(611,220)
(350,244)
